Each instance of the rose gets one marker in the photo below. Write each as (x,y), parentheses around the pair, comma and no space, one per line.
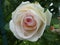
(29,21)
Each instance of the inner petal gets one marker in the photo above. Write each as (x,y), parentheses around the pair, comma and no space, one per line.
(29,21)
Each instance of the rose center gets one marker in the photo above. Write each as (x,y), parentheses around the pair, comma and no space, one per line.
(29,23)
(28,20)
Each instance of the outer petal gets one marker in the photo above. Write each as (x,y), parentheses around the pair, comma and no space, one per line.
(11,25)
(15,12)
(48,16)
(24,3)
(39,7)
(47,13)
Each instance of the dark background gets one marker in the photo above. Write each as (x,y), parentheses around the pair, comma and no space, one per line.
(48,38)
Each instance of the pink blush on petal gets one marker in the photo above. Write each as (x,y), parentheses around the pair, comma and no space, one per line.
(29,20)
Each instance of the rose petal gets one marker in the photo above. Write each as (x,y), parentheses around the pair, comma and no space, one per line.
(47,13)
(48,16)
(11,25)
(38,34)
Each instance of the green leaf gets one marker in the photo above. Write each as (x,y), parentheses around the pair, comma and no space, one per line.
(45,9)
(6,27)
(56,26)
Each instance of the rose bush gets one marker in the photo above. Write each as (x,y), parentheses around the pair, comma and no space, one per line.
(29,21)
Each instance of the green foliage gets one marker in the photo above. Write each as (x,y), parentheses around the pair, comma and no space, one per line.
(48,38)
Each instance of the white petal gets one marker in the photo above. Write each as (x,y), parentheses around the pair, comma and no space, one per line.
(48,16)
(47,13)
(24,3)
(38,34)
(40,11)
(39,7)
(17,11)
(11,25)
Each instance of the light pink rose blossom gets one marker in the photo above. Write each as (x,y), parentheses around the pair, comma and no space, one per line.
(29,21)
